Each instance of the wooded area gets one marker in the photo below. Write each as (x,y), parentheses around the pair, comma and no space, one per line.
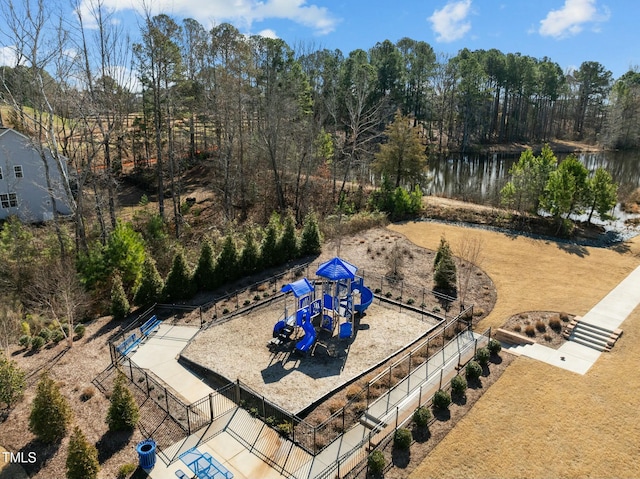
(274,118)
(274,127)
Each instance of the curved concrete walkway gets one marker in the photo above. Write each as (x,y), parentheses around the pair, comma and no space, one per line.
(609,313)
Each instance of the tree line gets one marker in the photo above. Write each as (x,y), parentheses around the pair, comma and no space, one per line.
(272,119)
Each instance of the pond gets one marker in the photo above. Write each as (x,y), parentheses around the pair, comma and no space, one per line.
(479,179)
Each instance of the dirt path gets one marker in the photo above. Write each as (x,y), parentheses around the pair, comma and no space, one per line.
(538,421)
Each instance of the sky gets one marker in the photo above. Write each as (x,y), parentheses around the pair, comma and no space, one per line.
(569,32)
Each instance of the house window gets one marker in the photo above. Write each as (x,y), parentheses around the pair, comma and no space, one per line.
(18,171)
(9,200)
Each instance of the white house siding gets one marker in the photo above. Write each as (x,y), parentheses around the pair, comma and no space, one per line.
(33,200)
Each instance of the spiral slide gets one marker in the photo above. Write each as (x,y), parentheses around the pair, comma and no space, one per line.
(366,297)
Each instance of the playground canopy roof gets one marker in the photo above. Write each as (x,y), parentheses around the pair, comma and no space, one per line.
(337,268)
(298,288)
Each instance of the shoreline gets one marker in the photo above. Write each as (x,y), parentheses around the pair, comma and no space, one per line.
(516,148)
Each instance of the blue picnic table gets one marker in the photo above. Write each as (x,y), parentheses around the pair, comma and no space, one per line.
(204,466)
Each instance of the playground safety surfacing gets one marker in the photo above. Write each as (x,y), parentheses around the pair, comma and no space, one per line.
(237,349)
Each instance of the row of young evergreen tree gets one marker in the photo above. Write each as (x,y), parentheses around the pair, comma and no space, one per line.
(51,417)
(280,244)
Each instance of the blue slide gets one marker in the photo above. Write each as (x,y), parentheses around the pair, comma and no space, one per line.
(304,345)
(366,297)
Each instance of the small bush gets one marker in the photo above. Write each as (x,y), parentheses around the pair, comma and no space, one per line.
(376,462)
(335,405)
(37,342)
(458,385)
(422,416)
(57,336)
(126,470)
(540,326)
(517,328)
(402,439)
(482,356)
(79,330)
(352,391)
(473,371)
(547,337)
(87,393)
(45,334)
(285,428)
(441,399)
(25,341)
(494,346)
(555,324)
(564,317)
(530,331)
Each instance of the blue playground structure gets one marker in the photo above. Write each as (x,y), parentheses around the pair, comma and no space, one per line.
(335,307)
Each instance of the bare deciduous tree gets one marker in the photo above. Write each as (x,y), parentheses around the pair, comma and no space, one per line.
(469,253)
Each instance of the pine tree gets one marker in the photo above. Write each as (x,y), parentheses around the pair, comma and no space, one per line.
(269,247)
(11,381)
(151,284)
(50,413)
(227,263)
(204,275)
(311,240)
(288,244)
(82,458)
(119,303)
(250,257)
(402,157)
(123,413)
(444,268)
(179,284)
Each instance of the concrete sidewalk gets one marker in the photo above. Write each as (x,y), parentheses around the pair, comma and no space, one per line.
(609,313)
(159,354)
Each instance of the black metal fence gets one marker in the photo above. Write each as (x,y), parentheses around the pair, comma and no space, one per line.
(188,418)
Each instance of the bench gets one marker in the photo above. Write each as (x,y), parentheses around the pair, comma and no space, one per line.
(150,325)
(181,475)
(128,344)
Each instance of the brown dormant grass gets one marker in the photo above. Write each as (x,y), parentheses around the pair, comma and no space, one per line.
(538,421)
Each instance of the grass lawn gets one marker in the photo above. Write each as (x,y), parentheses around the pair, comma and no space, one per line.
(538,421)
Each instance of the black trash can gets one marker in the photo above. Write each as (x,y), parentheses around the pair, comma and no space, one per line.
(147,454)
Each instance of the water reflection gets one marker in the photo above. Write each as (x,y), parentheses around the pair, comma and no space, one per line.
(479,179)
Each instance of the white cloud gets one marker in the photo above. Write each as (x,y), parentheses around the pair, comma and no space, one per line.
(571,18)
(8,56)
(241,12)
(449,23)
(268,33)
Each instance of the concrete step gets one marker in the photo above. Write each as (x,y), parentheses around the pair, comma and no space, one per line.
(595,328)
(371,422)
(602,342)
(592,335)
(589,344)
